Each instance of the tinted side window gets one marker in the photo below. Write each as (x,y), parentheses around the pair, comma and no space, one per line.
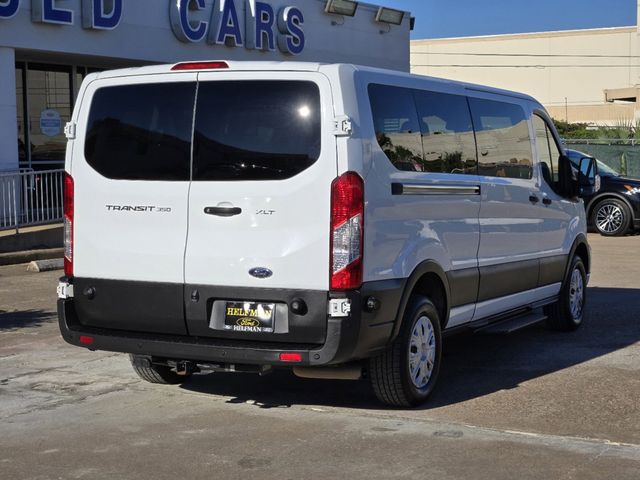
(447,133)
(502,133)
(396,125)
(141,132)
(548,152)
(255,130)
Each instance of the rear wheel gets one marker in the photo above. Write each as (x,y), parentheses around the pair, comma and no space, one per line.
(153,373)
(567,313)
(611,217)
(406,373)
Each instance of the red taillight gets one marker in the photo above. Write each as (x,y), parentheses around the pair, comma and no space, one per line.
(290,357)
(199,66)
(68,225)
(86,340)
(347,221)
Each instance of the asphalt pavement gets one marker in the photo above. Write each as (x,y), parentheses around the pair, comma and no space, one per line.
(531,405)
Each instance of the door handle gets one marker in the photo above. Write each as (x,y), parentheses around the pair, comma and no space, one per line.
(547,201)
(533,199)
(223,211)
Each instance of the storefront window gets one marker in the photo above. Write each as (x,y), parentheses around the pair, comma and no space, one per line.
(81,72)
(22,143)
(48,98)
(49,104)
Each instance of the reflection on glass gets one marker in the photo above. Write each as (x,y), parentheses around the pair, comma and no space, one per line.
(48,90)
(502,134)
(80,74)
(251,130)
(22,145)
(304,111)
(447,133)
(548,153)
(396,125)
(141,132)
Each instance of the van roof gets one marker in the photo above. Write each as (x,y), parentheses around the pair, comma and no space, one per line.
(300,67)
(233,65)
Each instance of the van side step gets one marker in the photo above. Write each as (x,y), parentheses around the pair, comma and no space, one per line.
(511,325)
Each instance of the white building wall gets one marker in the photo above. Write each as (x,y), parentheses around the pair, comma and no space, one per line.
(566,71)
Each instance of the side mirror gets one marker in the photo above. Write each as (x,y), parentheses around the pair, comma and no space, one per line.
(568,182)
(588,178)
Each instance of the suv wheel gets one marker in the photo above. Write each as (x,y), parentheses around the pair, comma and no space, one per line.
(566,314)
(153,373)
(611,217)
(406,373)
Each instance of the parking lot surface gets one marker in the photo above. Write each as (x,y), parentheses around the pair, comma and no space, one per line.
(533,404)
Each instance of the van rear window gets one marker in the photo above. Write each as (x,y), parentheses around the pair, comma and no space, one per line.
(141,132)
(255,130)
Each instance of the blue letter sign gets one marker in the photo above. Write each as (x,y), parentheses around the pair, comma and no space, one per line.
(265,20)
(182,27)
(291,38)
(45,11)
(226,24)
(8,8)
(94,14)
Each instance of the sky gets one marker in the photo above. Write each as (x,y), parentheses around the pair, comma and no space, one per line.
(461,18)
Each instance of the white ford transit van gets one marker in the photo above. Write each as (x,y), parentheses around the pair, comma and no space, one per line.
(331,218)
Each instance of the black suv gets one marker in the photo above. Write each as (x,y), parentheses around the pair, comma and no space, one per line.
(615,208)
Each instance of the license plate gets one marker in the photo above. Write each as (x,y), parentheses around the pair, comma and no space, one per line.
(249,317)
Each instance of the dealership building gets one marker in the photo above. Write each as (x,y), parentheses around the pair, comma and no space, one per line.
(590,75)
(48,46)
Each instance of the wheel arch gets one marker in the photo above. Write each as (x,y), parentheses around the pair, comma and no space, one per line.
(430,280)
(581,248)
(604,196)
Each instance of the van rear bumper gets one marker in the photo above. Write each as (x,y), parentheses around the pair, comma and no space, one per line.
(358,336)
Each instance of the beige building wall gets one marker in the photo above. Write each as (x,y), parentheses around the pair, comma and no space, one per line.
(566,71)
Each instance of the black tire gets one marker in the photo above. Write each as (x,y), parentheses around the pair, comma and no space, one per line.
(611,217)
(390,372)
(152,373)
(560,315)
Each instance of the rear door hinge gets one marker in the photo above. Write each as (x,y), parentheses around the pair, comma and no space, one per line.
(65,290)
(339,307)
(342,126)
(70,130)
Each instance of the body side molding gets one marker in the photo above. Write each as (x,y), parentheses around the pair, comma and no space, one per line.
(430,189)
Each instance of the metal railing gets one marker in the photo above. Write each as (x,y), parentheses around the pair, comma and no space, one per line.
(30,198)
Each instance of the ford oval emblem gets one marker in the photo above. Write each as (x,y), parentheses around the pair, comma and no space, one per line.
(260,272)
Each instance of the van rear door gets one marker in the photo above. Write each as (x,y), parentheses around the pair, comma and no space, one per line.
(264,158)
(131,171)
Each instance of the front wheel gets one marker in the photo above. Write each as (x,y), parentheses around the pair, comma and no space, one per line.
(406,373)
(611,217)
(567,313)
